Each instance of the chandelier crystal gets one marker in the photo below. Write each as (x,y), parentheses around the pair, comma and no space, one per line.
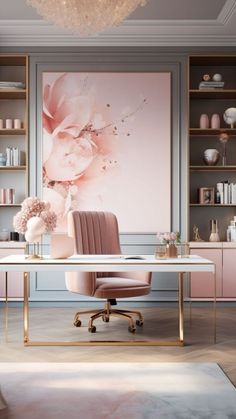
(86,17)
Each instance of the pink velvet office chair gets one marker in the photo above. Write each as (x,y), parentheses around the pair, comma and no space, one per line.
(97,233)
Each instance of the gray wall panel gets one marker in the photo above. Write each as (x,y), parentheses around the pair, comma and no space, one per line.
(51,286)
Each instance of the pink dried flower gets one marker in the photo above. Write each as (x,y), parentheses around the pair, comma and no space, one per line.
(32,207)
(50,220)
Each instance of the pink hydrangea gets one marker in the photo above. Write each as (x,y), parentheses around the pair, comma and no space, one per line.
(50,220)
(34,207)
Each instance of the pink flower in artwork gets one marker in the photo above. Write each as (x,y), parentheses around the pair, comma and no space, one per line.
(74,130)
(70,158)
(79,140)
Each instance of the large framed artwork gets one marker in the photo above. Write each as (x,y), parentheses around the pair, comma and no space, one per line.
(106,145)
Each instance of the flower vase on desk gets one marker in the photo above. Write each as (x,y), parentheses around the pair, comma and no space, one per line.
(171,250)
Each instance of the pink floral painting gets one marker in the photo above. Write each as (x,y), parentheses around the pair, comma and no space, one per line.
(106,146)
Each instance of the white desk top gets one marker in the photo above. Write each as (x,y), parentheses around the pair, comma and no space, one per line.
(106,263)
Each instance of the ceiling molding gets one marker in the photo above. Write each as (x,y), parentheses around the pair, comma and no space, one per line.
(227,12)
(15,33)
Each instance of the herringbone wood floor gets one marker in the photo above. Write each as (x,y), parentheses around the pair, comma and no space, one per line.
(56,324)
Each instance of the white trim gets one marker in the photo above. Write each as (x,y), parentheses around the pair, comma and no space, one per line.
(219,32)
(227,12)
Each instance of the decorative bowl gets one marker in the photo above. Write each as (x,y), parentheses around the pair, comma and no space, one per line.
(211,156)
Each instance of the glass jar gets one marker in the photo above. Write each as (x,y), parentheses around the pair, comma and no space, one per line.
(160,252)
(4,234)
(183,249)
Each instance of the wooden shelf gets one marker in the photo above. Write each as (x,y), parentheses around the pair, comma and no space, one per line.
(212,205)
(212,93)
(212,60)
(12,94)
(10,205)
(13,60)
(212,168)
(210,131)
(10,168)
(13,131)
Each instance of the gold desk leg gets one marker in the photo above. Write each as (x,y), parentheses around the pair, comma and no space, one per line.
(214,306)
(181,307)
(26,307)
(190,302)
(177,342)
(6,306)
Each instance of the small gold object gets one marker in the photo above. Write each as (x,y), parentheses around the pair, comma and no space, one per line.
(35,253)
(197,237)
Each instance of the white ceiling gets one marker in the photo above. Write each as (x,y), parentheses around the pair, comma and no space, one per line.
(160,22)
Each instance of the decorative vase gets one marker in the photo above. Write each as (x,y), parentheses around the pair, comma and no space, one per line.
(215,121)
(204,121)
(171,250)
(214,236)
(211,156)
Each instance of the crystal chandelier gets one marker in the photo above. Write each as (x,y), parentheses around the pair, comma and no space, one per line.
(86,17)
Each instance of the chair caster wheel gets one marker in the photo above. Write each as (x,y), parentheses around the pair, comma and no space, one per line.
(105,319)
(77,323)
(92,329)
(131,329)
(139,322)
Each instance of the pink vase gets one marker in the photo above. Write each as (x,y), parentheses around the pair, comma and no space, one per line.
(204,121)
(215,121)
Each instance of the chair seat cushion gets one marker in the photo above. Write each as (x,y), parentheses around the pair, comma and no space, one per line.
(117,287)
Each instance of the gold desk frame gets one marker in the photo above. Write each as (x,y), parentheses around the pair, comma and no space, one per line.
(162,342)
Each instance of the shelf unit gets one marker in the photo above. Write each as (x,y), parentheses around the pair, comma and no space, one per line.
(14,105)
(210,101)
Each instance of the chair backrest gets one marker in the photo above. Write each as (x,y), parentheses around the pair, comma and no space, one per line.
(95,232)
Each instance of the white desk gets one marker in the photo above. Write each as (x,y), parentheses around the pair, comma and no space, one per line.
(108,263)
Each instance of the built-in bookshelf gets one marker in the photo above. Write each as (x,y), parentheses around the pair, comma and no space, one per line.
(13,134)
(211,100)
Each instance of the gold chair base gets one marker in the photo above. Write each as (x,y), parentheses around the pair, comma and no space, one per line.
(106,313)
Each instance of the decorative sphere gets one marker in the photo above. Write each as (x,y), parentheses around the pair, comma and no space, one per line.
(217,77)
(230,116)
(211,156)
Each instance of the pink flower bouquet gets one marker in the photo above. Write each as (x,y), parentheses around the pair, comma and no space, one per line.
(169,237)
(34,219)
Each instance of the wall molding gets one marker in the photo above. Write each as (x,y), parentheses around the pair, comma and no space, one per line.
(217,32)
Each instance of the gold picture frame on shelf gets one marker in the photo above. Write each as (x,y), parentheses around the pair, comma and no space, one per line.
(206,196)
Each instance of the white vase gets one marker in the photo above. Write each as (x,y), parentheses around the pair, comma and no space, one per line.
(204,121)
(215,121)
(214,236)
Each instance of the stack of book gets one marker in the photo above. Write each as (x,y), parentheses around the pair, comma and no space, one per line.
(14,156)
(226,193)
(211,85)
(12,85)
(7,196)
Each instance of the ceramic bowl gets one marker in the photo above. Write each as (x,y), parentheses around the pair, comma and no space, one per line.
(211,156)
